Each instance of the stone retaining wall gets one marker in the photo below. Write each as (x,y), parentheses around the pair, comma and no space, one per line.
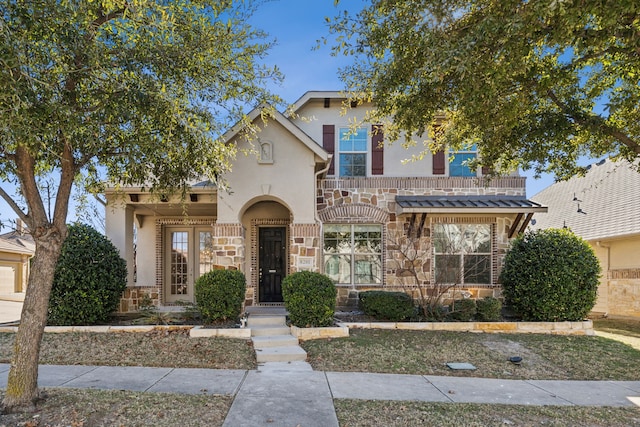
(342,330)
(554,328)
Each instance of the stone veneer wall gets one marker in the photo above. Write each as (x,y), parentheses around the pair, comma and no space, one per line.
(132,297)
(228,243)
(624,292)
(372,200)
(304,247)
(381,191)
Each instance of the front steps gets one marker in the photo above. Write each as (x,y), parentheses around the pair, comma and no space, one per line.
(272,339)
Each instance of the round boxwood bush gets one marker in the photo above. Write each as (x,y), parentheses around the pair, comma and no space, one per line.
(462,310)
(489,309)
(310,299)
(383,305)
(89,280)
(220,294)
(550,275)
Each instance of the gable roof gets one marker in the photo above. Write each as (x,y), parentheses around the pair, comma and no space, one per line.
(605,203)
(15,242)
(317,94)
(284,122)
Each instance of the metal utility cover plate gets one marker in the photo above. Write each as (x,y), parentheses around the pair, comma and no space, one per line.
(461,366)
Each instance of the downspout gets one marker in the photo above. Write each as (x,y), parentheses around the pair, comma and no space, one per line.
(315,211)
(608,248)
(315,185)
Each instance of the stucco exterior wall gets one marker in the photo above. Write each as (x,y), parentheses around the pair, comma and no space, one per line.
(119,226)
(619,289)
(397,154)
(313,115)
(146,254)
(289,179)
(625,253)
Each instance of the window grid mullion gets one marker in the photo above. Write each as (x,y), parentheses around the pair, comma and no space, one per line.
(353,256)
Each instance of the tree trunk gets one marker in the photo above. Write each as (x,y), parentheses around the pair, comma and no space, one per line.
(22,385)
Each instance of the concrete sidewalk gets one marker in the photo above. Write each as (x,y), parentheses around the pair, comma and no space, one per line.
(293,394)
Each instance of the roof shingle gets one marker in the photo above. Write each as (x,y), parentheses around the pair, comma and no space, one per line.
(605,203)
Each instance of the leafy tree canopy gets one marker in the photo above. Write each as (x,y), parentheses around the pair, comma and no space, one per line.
(141,87)
(136,92)
(539,83)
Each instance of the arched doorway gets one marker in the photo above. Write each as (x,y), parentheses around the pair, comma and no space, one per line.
(268,224)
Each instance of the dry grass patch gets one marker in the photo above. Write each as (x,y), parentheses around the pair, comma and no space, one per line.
(159,348)
(353,413)
(84,408)
(427,352)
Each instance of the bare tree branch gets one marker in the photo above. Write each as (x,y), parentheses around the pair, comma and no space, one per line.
(13,205)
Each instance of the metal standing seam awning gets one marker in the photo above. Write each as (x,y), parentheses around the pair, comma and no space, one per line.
(471,204)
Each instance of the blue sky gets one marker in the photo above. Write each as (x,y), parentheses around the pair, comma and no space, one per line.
(296,25)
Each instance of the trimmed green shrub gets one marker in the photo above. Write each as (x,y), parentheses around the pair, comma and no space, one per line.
(310,299)
(489,309)
(433,313)
(220,294)
(462,310)
(89,280)
(550,275)
(383,305)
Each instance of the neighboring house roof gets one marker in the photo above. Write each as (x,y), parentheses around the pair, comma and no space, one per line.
(288,125)
(317,94)
(460,204)
(604,203)
(15,242)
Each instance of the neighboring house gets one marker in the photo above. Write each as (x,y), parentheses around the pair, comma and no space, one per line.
(603,207)
(318,196)
(16,249)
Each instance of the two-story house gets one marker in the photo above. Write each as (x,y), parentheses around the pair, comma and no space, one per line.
(320,195)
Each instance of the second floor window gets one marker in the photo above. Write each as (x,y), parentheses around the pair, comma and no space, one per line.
(352,158)
(459,161)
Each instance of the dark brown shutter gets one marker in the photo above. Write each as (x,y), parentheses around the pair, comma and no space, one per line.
(438,162)
(329,144)
(486,170)
(377,150)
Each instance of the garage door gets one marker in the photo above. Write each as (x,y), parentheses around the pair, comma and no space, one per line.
(7,279)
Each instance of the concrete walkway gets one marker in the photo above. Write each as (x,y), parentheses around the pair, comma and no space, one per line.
(632,341)
(289,394)
(10,311)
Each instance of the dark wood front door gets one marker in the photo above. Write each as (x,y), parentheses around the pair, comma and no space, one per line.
(272,263)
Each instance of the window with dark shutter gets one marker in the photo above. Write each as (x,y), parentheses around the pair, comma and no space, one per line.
(377,150)
(329,144)
(438,162)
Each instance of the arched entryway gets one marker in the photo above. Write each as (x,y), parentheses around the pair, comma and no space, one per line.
(268,224)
